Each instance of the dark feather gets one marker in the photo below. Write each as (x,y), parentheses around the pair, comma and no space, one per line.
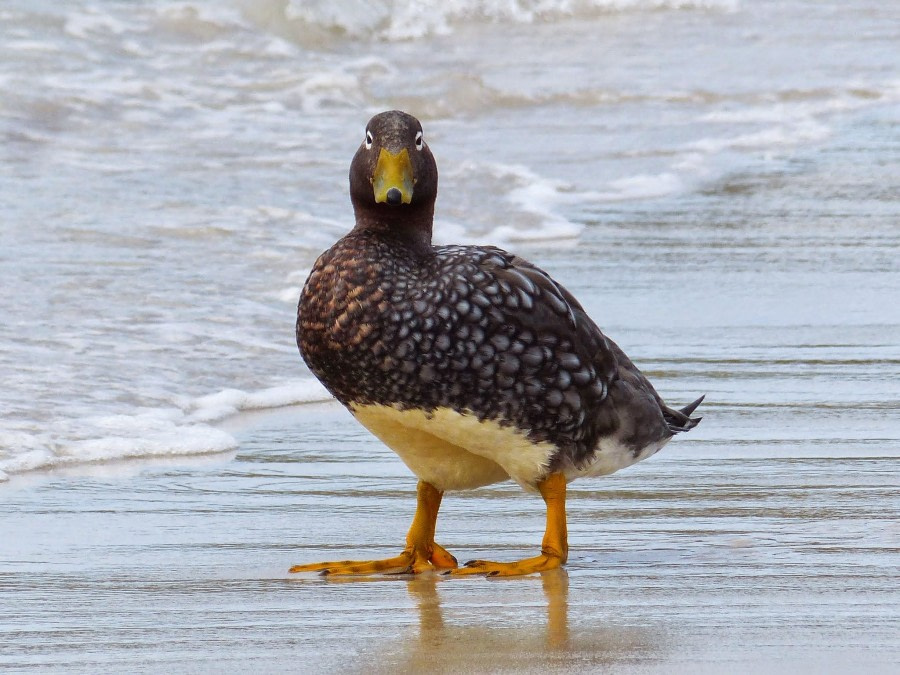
(681,420)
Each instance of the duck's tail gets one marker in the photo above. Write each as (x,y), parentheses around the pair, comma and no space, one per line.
(681,420)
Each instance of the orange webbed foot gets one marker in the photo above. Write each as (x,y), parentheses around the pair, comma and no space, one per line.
(413,560)
(540,563)
(421,554)
(554,549)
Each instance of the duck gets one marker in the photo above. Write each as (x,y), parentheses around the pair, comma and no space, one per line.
(472,364)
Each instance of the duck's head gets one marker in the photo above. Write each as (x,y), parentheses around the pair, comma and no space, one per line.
(393,176)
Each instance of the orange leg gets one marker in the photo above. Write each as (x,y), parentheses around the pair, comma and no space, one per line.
(554,549)
(421,552)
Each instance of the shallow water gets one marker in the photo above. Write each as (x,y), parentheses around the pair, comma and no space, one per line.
(715,181)
(169,171)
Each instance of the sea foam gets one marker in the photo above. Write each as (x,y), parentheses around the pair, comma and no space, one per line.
(395,20)
(500,203)
(162,432)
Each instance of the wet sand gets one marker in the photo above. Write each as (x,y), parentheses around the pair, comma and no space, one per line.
(710,557)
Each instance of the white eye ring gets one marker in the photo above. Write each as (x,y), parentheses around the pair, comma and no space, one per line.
(369,139)
(419,142)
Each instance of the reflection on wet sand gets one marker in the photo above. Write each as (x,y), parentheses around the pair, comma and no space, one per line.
(432,627)
(523,636)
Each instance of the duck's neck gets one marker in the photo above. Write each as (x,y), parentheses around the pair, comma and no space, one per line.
(407,226)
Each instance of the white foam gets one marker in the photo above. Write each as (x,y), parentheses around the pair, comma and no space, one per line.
(812,104)
(528,208)
(335,86)
(84,24)
(289,294)
(201,19)
(114,437)
(397,20)
(804,131)
(231,401)
(159,432)
(786,123)
(145,435)
(646,186)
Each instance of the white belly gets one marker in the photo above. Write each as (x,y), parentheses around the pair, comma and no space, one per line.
(611,456)
(457,451)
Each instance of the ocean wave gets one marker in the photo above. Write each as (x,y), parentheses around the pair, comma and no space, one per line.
(163,432)
(229,402)
(499,203)
(787,118)
(451,95)
(390,20)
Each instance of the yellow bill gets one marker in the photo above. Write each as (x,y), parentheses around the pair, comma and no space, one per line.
(393,178)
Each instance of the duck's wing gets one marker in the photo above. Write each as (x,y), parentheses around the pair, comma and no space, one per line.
(620,402)
(564,367)
(557,311)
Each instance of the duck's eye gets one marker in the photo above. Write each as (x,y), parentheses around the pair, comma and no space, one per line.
(419,142)
(369,139)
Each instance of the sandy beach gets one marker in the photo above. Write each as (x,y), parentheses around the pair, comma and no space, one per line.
(700,560)
(714,180)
